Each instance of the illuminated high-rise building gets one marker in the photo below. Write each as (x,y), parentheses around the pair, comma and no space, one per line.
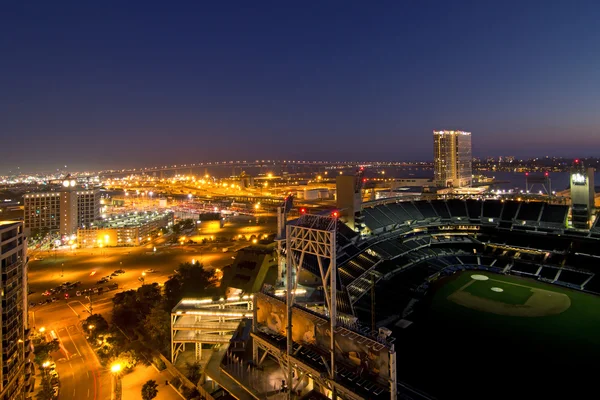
(452,158)
(16,373)
(582,195)
(62,211)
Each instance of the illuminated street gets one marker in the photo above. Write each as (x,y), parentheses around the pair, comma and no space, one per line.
(81,375)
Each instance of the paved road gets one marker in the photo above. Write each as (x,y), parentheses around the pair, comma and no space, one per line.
(81,375)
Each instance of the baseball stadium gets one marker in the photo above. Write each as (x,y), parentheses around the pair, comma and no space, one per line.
(485,299)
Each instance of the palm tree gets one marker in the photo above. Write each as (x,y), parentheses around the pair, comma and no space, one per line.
(149,390)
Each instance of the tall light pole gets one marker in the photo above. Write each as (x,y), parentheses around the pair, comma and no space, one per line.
(116,370)
(91,305)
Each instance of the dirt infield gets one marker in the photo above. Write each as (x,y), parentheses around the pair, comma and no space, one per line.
(541,303)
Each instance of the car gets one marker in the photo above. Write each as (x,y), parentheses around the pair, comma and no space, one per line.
(78,293)
(114,274)
(32,304)
(47,293)
(95,290)
(100,289)
(119,272)
(53,299)
(149,271)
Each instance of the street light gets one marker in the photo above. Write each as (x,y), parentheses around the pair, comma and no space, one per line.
(116,370)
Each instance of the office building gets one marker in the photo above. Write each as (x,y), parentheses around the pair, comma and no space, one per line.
(452,158)
(582,195)
(62,211)
(15,375)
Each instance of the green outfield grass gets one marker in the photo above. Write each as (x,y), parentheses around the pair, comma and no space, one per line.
(511,294)
(577,327)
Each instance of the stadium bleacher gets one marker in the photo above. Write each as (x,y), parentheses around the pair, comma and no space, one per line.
(401,215)
(510,210)
(492,209)
(413,213)
(555,214)
(457,208)
(530,211)
(474,208)
(426,209)
(441,209)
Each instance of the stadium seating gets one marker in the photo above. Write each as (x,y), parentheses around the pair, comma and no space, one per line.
(530,211)
(554,214)
(441,209)
(474,208)
(426,209)
(457,208)
(509,212)
(492,209)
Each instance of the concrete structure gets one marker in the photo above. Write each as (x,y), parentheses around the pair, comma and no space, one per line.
(349,198)
(124,230)
(253,266)
(15,375)
(452,158)
(62,211)
(318,347)
(412,181)
(206,321)
(582,195)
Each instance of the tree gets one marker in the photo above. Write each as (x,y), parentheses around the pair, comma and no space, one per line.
(157,326)
(193,371)
(98,324)
(46,392)
(127,359)
(149,390)
(190,280)
(42,351)
(132,307)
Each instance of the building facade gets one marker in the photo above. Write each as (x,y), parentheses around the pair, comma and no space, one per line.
(582,195)
(452,158)
(62,211)
(125,230)
(16,373)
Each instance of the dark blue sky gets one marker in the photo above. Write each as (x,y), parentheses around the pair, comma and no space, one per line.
(115,83)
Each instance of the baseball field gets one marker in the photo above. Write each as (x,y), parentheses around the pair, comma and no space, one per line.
(496,336)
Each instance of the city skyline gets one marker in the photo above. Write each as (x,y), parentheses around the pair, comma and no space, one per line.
(208,82)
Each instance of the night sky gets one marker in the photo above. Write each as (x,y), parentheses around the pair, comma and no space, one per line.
(126,83)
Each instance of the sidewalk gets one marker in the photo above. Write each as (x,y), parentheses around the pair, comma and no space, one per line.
(132,383)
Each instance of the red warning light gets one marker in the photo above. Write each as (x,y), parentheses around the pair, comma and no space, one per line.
(546,173)
(335,214)
(362,168)
(577,161)
(364,179)
(303,210)
(526,173)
